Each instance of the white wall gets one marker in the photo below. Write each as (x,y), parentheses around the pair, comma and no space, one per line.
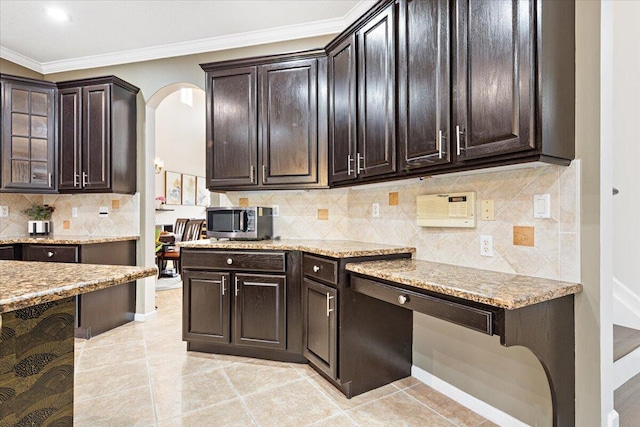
(626,205)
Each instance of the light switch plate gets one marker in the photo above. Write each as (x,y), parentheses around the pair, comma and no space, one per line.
(103,211)
(74,212)
(4,211)
(542,206)
(275,210)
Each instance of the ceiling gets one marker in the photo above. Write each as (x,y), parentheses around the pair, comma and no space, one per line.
(105,32)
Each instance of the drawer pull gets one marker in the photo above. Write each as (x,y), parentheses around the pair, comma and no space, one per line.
(50,254)
(229,261)
(402,299)
(329,298)
(316,268)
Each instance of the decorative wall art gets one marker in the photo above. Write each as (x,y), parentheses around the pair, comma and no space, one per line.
(203,197)
(173,188)
(188,190)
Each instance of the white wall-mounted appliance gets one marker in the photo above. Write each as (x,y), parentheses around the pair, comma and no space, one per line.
(447,210)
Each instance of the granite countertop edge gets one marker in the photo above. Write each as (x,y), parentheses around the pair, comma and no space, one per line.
(512,297)
(329,248)
(65,240)
(73,288)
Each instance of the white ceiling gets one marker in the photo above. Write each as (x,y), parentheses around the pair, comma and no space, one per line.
(107,32)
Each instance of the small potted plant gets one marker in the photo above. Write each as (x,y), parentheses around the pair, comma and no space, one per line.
(40,215)
(160,200)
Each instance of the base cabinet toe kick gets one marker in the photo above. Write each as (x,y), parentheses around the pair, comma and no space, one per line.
(546,328)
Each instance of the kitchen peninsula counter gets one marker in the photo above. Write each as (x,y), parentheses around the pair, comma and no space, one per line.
(38,308)
(329,248)
(61,239)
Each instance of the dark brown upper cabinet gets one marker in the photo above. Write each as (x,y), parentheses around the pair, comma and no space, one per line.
(424,86)
(28,141)
(267,122)
(97,136)
(362,97)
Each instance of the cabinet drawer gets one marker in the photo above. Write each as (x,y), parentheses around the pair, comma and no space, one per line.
(320,268)
(470,317)
(52,253)
(237,261)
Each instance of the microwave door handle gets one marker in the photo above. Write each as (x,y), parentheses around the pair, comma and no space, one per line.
(243,220)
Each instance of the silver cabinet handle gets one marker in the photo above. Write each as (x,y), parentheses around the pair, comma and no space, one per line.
(222,281)
(358,168)
(76,178)
(440,144)
(50,254)
(84,179)
(316,268)
(229,261)
(458,133)
(50,179)
(349,161)
(252,172)
(329,298)
(236,286)
(264,173)
(402,299)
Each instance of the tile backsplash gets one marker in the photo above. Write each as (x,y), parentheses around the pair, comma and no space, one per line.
(555,253)
(123,214)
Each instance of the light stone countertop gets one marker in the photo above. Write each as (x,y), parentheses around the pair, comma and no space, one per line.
(504,290)
(25,283)
(330,248)
(64,240)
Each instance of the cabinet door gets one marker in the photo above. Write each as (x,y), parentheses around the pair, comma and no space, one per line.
(343,110)
(70,138)
(96,144)
(376,95)
(494,86)
(423,83)
(260,311)
(232,136)
(206,315)
(319,308)
(28,137)
(289,122)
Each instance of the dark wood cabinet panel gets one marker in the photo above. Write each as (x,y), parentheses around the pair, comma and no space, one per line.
(260,311)
(9,253)
(343,136)
(28,140)
(320,333)
(51,253)
(376,93)
(206,314)
(232,120)
(97,136)
(289,120)
(423,83)
(494,78)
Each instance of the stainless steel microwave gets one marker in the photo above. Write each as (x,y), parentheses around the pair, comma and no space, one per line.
(246,223)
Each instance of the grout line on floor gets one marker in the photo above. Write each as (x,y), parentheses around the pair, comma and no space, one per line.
(430,408)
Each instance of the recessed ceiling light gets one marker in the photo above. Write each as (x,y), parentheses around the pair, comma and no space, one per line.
(57,14)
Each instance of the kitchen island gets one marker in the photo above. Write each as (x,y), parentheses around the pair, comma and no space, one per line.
(37,308)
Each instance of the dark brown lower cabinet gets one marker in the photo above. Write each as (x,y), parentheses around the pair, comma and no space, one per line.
(206,316)
(105,309)
(320,330)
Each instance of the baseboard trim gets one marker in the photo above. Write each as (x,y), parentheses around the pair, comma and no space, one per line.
(613,419)
(491,413)
(139,317)
(626,368)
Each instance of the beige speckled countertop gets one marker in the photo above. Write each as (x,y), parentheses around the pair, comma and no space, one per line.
(330,248)
(25,284)
(503,290)
(64,240)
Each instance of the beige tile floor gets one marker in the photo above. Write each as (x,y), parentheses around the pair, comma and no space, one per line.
(140,374)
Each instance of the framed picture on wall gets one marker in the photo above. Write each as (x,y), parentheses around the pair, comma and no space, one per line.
(188,190)
(173,188)
(203,197)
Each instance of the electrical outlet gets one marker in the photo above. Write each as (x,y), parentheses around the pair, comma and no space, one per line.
(74,212)
(486,245)
(375,210)
(4,211)
(275,210)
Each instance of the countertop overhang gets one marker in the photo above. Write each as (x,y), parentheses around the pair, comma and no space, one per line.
(26,283)
(503,290)
(64,240)
(330,248)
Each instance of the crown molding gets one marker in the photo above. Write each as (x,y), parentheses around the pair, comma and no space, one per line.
(20,59)
(252,38)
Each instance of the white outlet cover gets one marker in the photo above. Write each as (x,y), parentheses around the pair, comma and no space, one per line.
(375,210)
(486,245)
(74,212)
(4,211)
(275,210)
